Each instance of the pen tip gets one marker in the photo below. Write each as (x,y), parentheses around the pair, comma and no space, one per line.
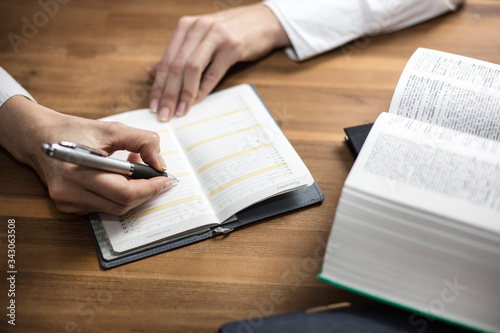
(172,178)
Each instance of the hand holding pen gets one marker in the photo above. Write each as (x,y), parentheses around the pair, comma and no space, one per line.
(26,125)
(93,159)
(88,157)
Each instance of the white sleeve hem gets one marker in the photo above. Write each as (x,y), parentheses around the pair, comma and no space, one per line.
(9,87)
(317,26)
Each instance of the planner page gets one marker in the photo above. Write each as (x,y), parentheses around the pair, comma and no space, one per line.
(178,209)
(237,151)
(228,154)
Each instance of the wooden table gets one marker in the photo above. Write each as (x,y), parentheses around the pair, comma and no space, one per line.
(90,59)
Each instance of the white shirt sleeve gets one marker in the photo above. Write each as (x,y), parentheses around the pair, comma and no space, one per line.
(9,88)
(316,26)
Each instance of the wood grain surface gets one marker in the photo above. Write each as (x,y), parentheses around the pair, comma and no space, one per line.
(90,59)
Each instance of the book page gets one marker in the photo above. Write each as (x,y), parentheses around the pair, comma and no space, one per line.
(427,167)
(237,151)
(450,91)
(181,208)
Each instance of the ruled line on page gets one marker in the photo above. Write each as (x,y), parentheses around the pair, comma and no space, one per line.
(249,175)
(220,137)
(161,207)
(246,151)
(212,118)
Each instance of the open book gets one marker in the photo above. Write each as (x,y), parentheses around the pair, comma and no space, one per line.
(228,154)
(418,221)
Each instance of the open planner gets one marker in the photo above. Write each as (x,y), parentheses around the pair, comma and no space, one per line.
(229,155)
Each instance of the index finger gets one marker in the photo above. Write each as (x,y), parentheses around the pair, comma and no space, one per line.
(173,47)
(146,143)
(124,192)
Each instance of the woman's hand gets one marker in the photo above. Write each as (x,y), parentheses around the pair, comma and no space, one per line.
(25,126)
(203,48)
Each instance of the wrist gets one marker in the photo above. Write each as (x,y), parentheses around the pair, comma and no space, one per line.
(24,126)
(276,31)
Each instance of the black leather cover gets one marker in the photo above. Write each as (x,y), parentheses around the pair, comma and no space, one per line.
(360,317)
(356,136)
(284,203)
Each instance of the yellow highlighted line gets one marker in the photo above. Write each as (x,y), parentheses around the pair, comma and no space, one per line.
(182,174)
(220,137)
(212,118)
(200,170)
(239,179)
(169,152)
(153,210)
(162,131)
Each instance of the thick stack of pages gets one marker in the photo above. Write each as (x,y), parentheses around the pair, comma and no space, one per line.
(418,221)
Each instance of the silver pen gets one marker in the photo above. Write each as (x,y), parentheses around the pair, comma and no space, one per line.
(84,156)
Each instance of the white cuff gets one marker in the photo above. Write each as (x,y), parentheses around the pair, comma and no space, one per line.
(317,26)
(10,87)
(314,27)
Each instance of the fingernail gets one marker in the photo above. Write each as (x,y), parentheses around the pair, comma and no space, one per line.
(167,184)
(153,106)
(164,113)
(181,109)
(162,161)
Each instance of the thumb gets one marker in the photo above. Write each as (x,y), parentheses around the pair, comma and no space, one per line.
(145,143)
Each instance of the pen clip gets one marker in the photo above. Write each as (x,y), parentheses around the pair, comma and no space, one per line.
(76,146)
